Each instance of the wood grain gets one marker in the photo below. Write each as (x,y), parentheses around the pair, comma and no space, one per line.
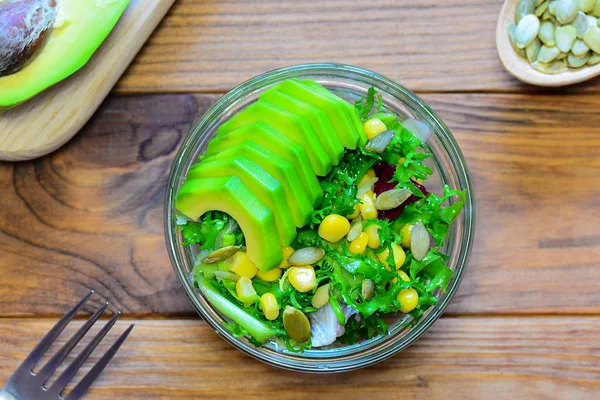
(460,358)
(90,214)
(50,119)
(427,45)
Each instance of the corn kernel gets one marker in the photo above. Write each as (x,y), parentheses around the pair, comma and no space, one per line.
(370,172)
(303,278)
(409,298)
(245,291)
(367,207)
(419,181)
(399,256)
(374,127)
(406,232)
(287,252)
(269,306)
(366,181)
(359,245)
(356,212)
(403,276)
(334,227)
(372,232)
(269,276)
(242,266)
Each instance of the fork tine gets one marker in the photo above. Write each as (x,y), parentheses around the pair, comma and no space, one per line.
(41,348)
(72,369)
(64,351)
(91,376)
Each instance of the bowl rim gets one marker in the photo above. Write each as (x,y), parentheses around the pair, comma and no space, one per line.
(291,362)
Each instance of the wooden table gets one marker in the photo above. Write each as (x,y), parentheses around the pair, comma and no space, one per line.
(525,323)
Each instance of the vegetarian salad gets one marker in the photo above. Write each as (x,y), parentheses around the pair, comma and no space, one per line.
(311,220)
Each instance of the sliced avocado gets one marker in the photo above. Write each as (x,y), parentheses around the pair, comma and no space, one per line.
(271,139)
(264,186)
(348,107)
(293,126)
(79,28)
(330,105)
(230,195)
(279,168)
(317,119)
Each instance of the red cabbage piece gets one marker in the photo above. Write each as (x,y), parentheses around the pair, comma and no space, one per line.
(385,173)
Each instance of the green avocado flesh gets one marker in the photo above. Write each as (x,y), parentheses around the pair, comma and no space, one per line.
(332,105)
(293,126)
(347,107)
(80,28)
(230,195)
(273,140)
(267,189)
(317,119)
(280,169)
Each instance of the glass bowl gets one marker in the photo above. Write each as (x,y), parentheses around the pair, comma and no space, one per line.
(449,169)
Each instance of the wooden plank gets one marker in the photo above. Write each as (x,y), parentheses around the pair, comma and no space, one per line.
(472,358)
(90,215)
(427,45)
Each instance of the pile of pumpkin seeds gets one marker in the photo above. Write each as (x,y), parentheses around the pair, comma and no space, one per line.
(557,34)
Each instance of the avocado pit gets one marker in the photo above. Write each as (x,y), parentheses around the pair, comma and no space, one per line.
(24,28)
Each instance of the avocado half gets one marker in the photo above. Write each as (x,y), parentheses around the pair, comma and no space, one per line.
(79,28)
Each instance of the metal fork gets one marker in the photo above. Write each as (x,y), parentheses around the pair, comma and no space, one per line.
(26,385)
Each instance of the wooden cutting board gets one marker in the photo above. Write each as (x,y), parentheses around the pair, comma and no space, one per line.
(49,120)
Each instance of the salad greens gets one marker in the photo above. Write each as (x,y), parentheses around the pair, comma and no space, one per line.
(340,268)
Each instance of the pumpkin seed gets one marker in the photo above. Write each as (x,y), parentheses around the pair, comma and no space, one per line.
(546,33)
(541,9)
(587,5)
(512,31)
(580,24)
(578,62)
(579,48)
(596,10)
(592,21)
(552,7)
(556,67)
(594,59)
(306,256)
(392,199)
(367,289)
(419,241)
(565,37)
(321,296)
(533,49)
(539,2)
(547,54)
(524,7)
(546,16)
(380,142)
(527,30)
(355,228)
(296,324)
(566,10)
(592,38)
(561,56)
(220,255)
(220,275)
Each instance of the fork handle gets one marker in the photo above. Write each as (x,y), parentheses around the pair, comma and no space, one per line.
(5,395)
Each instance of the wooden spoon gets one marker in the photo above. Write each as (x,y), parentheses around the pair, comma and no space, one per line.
(520,68)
